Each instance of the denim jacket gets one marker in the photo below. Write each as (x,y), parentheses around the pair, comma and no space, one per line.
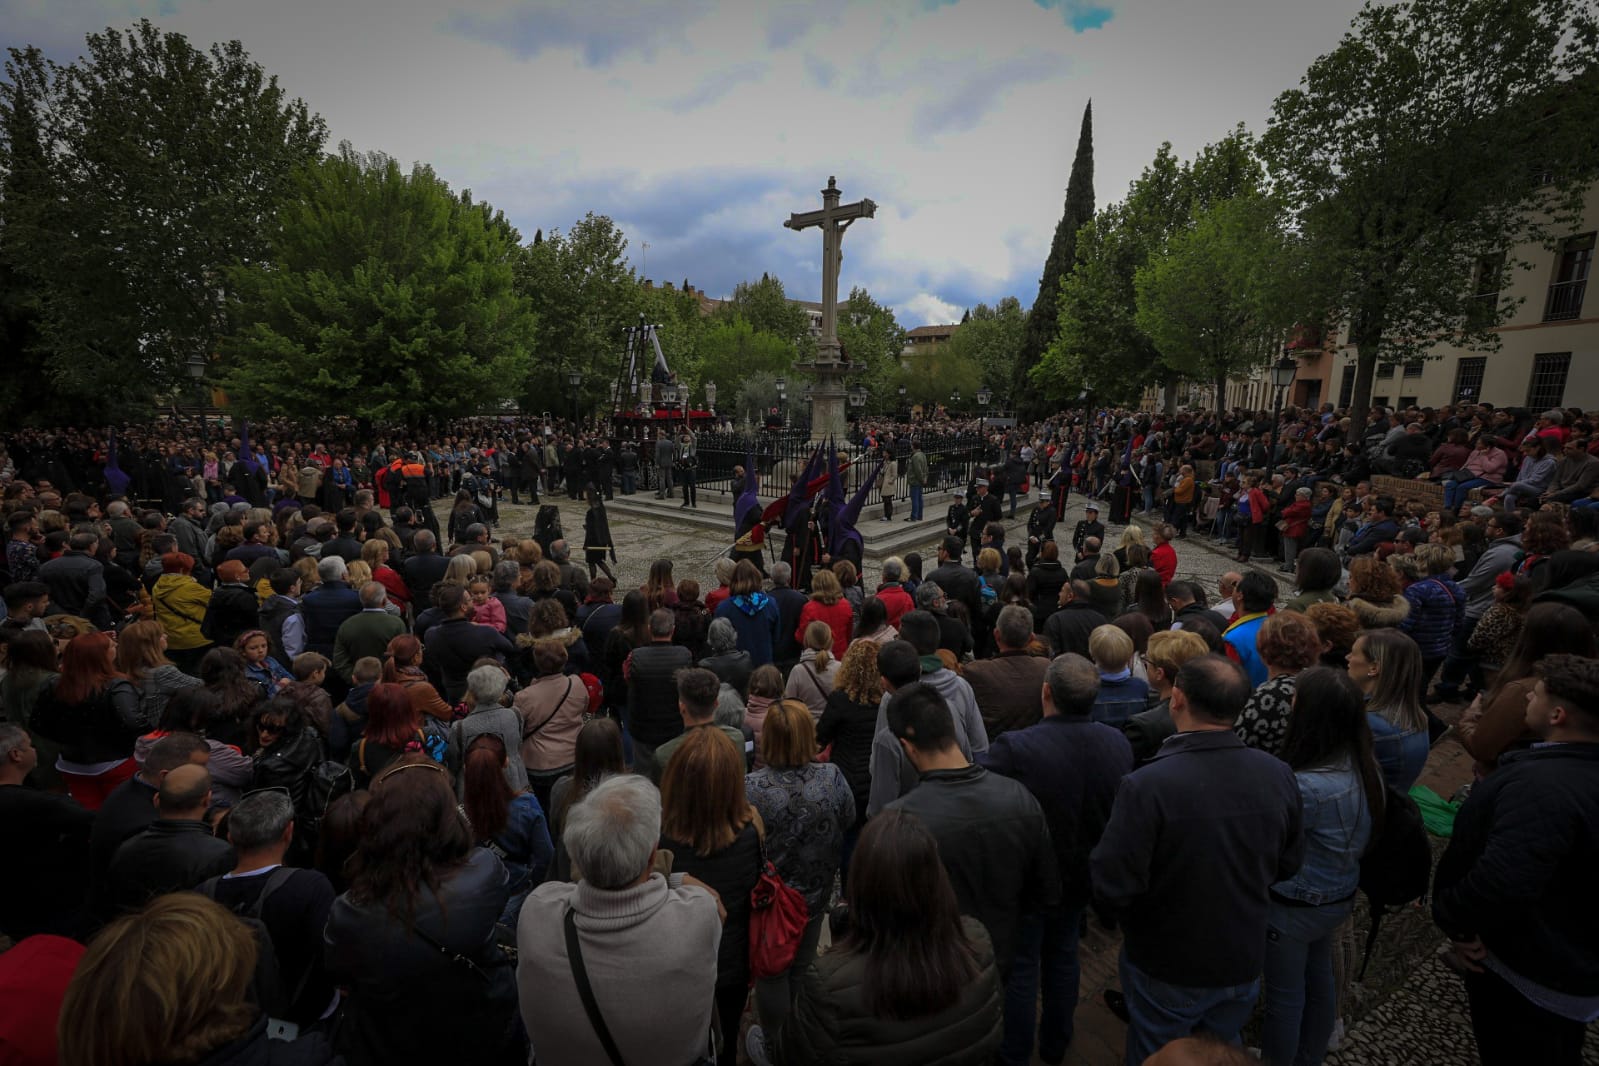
(1402,753)
(1337,827)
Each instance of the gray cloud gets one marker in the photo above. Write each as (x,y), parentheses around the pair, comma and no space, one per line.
(602,31)
(964,104)
(713,87)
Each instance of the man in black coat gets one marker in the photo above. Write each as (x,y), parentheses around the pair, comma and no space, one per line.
(1192,960)
(982,509)
(992,837)
(1514,890)
(177,851)
(425,568)
(77,581)
(1068,629)
(958,582)
(454,643)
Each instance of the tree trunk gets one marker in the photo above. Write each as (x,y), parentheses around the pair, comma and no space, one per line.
(1221,390)
(1366,341)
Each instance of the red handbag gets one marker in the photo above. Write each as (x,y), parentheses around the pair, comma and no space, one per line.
(778,914)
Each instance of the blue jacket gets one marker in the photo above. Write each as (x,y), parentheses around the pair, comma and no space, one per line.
(1437,609)
(1401,753)
(1120,699)
(1337,827)
(1160,844)
(325,608)
(1368,536)
(1072,766)
(1240,637)
(755,619)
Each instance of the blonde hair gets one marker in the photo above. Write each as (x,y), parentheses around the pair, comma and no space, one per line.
(819,638)
(139,649)
(825,587)
(358,573)
(858,676)
(1110,647)
(460,570)
(988,561)
(167,984)
(375,551)
(788,735)
(1170,648)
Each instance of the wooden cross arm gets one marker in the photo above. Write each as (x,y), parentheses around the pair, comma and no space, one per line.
(806,219)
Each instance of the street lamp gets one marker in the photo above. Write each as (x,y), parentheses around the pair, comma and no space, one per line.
(1282,376)
(954,399)
(857,398)
(782,400)
(574,378)
(983,396)
(196,367)
(710,396)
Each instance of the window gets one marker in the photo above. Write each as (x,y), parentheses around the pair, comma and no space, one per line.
(1468,379)
(1385,371)
(1346,387)
(1571,278)
(1415,368)
(1485,292)
(1548,386)
(1379,401)
(1407,402)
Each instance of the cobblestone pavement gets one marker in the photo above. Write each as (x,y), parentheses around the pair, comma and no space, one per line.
(1410,1010)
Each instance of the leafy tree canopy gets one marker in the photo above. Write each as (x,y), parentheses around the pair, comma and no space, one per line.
(384,295)
(1419,146)
(134,178)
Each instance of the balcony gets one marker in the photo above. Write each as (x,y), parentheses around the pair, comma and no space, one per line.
(1565,300)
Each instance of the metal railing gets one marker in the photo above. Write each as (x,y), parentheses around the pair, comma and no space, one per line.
(1565,300)
(781,456)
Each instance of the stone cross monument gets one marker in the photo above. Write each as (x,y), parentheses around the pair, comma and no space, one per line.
(827,398)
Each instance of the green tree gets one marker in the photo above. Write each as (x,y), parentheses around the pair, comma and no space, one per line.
(1220,299)
(1043,322)
(933,376)
(155,168)
(732,348)
(585,295)
(1100,346)
(764,305)
(383,295)
(1409,152)
(756,395)
(991,339)
(873,339)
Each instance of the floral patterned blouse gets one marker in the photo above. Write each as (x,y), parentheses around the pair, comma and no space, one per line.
(1263,723)
(805,810)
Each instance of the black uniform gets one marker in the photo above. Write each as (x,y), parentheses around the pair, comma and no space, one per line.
(1040,528)
(1086,529)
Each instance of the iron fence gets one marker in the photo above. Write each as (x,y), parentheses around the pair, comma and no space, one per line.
(781,456)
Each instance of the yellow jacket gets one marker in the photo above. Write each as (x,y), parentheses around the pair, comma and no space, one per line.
(180,602)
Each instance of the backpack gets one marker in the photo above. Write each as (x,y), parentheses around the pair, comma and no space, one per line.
(1397,865)
(327,781)
(270,995)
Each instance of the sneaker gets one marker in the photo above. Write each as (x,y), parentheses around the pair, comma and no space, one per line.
(755,1046)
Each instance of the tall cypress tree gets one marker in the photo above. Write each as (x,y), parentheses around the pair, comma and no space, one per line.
(1043,322)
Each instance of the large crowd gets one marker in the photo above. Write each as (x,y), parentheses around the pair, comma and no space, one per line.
(294,768)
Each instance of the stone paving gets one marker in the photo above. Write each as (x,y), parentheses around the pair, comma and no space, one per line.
(1409,1011)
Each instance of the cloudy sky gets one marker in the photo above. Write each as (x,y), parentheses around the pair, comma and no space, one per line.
(699,125)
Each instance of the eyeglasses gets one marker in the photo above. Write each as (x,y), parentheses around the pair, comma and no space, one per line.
(269,727)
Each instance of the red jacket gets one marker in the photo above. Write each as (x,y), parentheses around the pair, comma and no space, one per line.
(1164,559)
(839,616)
(1297,515)
(896,601)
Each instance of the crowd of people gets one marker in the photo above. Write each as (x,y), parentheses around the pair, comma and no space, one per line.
(291,771)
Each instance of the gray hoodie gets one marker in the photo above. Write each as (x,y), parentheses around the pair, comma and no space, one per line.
(892,773)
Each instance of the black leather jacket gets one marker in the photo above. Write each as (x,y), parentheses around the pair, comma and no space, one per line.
(415,1001)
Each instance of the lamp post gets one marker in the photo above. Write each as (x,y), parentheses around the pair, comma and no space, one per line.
(857,399)
(983,396)
(710,396)
(954,400)
(669,398)
(902,408)
(782,400)
(1282,376)
(196,368)
(574,378)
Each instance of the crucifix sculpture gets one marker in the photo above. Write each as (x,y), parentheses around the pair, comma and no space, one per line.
(827,399)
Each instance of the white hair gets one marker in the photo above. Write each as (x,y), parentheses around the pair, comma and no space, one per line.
(332,568)
(486,684)
(612,832)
